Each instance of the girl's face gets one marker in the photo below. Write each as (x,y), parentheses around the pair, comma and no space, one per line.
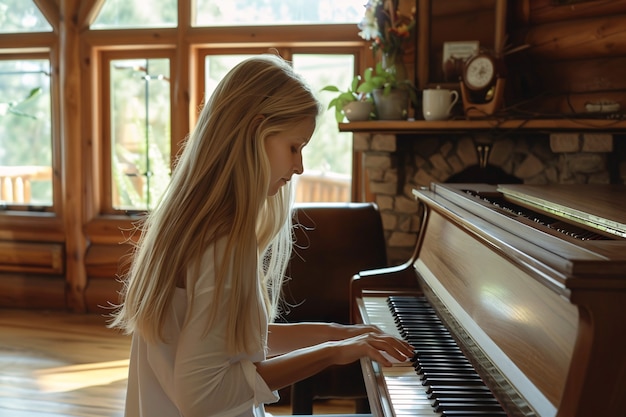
(284,151)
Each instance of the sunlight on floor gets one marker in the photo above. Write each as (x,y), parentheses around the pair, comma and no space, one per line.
(75,377)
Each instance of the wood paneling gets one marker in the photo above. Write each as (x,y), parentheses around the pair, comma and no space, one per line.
(537,12)
(40,258)
(575,54)
(589,38)
(105,264)
(32,291)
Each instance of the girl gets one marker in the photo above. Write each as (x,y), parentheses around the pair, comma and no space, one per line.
(204,285)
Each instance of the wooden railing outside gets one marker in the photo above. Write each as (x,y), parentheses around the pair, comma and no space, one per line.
(322,187)
(15,185)
(15,182)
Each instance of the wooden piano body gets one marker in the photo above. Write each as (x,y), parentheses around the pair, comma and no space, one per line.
(541,314)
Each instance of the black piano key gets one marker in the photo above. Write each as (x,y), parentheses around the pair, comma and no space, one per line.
(467,406)
(438,357)
(427,336)
(446,382)
(447,403)
(412,306)
(416,314)
(443,394)
(416,329)
(460,368)
(428,339)
(446,350)
(429,370)
(425,354)
(421,345)
(447,370)
(434,379)
(459,388)
(401,321)
(472,413)
(425,365)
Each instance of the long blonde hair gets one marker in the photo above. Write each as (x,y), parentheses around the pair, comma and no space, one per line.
(219,188)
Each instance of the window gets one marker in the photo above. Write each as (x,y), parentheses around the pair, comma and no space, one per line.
(216,67)
(25,133)
(264,12)
(118,14)
(19,16)
(328,157)
(140,112)
(26,127)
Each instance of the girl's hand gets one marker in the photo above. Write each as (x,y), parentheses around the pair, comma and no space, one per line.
(375,345)
(346,331)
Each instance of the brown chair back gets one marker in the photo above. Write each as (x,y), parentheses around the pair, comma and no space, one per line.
(333,242)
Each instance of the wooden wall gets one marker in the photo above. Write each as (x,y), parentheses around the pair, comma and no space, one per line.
(575,54)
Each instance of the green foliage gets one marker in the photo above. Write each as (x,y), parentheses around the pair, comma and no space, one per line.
(386,79)
(25,114)
(353,93)
(143,185)
(14,106)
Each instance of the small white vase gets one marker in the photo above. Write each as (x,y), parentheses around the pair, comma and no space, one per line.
(356,111)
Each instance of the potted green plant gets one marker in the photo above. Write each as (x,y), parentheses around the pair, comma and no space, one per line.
(351,103)
(391,95)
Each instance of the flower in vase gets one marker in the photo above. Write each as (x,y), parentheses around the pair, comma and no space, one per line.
(386,27)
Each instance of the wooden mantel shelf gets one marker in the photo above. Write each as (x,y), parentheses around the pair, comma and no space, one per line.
(425,127)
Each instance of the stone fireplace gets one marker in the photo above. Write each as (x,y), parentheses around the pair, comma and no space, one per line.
(396,164)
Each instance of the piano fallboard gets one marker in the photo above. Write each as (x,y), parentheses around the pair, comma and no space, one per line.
(539,315)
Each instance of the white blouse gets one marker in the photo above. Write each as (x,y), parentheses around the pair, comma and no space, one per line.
(192,375)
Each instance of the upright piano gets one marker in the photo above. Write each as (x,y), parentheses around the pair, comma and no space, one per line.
(515,302)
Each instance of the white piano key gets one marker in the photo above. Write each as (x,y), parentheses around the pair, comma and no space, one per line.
(405,392)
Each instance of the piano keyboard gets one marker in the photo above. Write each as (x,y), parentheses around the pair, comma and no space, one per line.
(439,380)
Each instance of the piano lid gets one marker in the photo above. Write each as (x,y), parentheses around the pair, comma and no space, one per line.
(600,206)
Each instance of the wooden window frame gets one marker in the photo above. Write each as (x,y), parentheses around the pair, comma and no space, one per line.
(20,217)
(102,153)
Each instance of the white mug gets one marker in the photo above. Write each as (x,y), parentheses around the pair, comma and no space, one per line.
(437,103)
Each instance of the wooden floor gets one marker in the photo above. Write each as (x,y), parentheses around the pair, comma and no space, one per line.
(55,364)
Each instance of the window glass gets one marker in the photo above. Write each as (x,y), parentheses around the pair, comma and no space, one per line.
(328,157)
(118,14)
(140,132)
(268,12)
(18,16)
(216,67)
(25,133)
